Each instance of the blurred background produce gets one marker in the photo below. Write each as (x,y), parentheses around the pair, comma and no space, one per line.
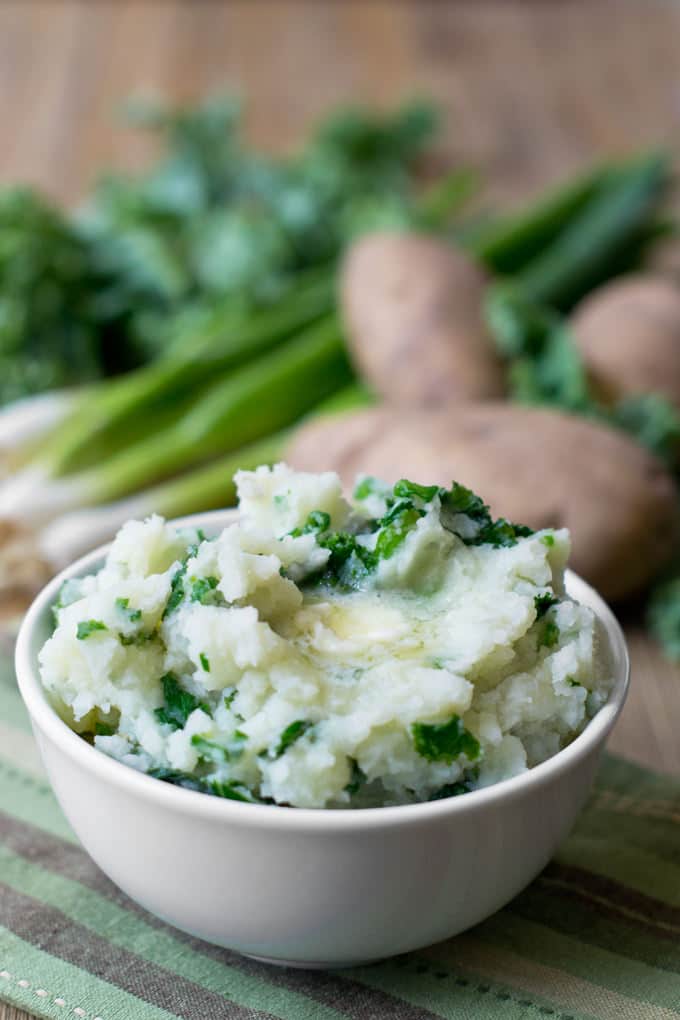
(479,282)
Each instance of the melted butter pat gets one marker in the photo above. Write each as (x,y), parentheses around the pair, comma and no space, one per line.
(355,627)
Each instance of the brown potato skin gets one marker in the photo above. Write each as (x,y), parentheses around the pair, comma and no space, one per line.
(629,336)
(538,467)
(412,307)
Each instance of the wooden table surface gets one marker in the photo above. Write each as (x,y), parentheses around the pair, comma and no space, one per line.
(530,91)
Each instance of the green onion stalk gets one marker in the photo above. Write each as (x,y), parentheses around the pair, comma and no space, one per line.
(104,418)
(247,404)
(208,487)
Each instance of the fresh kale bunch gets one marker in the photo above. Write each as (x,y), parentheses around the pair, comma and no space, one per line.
(213,226)
(216,219)
(52,330)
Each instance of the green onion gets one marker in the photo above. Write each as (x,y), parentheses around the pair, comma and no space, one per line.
(596,237)
(254,401)
(509,243)
(109,415)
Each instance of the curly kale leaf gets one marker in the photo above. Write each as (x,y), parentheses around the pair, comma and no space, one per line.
(179,703)
(445,741)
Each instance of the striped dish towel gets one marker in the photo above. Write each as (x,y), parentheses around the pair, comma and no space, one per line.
(597,935)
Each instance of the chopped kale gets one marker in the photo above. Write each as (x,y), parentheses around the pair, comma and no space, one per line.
(351,560)
(104,730)
(142,637)
(317,521)
(133,615)
(211,750)
(550,635)
(192,549)
(229,697)
(358,566)
(341,546)
(548,539)
(177,778)
(464,785)
(202,589)
(502,533)
(290,735)
(444,741)
(205,662)
(461,501)
(543,603)
(404,489)
(179,704)
(88,627)
(176,591)
(369,486)
(357,777)
(232,790)
(397,523)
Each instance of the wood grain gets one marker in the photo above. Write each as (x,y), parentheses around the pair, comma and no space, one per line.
(530,92)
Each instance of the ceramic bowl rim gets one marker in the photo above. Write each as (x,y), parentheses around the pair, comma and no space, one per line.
(196,804)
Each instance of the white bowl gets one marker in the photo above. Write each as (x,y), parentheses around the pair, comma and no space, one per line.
(312,888)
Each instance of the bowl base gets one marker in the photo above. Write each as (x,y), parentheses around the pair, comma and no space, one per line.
(311,964)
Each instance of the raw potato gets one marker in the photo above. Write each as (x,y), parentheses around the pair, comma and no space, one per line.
(629,335)
(537,467)
(413,311)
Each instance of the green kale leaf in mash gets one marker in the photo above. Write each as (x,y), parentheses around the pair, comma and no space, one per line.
(550,635)
(141,637)
(204,590)
(543,603)
(176,591)
(291,733)
(104,729)
(458,501)
(179,704)
(233,791)
(317,522)
(357,554)
(88,627)
(212,751)
(456,789)
(132,615)
(357,778)
(445,741)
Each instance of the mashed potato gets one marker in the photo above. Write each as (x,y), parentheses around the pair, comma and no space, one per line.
(319,653)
